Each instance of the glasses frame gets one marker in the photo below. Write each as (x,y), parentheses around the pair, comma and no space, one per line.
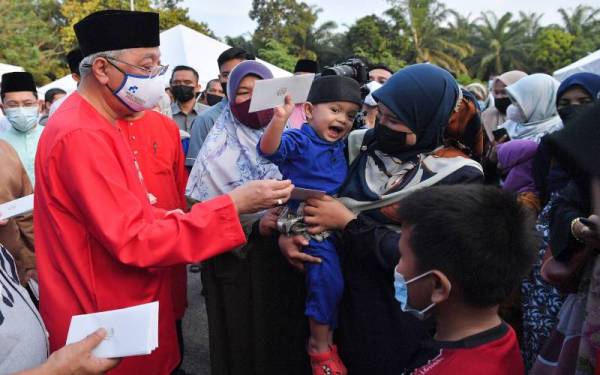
(154,72)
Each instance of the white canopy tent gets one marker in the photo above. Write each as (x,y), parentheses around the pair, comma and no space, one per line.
(7,68)
(66,83)
(181,45)
(590,63)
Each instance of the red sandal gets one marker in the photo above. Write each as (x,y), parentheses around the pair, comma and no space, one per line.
(327,363)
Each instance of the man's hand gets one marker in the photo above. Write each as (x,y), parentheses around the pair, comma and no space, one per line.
(291,248)
(77,358)
(260,195)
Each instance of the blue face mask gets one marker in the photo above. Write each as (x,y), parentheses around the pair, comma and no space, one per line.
(401,288)
(22,119)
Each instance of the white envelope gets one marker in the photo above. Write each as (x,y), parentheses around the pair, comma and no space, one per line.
(18,207)
(131,331)
(270,93)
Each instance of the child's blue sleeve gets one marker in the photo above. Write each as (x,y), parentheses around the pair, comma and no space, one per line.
(292,144)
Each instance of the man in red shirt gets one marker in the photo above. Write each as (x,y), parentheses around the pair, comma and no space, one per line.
(100,243)
(459,259)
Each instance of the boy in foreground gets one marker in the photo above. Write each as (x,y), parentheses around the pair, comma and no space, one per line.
(463,250)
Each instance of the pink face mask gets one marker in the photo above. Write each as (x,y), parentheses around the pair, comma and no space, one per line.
(255,120)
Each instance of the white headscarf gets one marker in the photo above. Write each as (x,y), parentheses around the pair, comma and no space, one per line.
(536,96)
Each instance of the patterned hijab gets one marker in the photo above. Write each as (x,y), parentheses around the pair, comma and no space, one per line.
(423,97)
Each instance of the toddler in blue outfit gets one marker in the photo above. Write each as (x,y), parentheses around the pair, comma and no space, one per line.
(313,158)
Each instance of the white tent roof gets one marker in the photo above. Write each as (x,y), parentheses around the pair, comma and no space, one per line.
(7,68)
(181,45)
(590,63)
(66,83)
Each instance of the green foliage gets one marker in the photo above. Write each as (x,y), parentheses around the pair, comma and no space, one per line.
(372,37)
(553,49)
(28,37)
(277,53)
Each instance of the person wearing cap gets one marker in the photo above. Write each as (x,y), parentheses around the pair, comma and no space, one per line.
(100,243)
(303,66)
(201,126)
(380,73)
(21,107)
(313,158)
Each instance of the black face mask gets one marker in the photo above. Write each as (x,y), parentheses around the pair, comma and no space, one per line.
(387,140)
(182,93)
(570,112)
(212,99)
(501,104)
(224,87)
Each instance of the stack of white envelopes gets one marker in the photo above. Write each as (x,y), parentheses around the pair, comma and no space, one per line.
(131,331)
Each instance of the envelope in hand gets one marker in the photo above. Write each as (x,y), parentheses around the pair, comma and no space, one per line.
(270,93)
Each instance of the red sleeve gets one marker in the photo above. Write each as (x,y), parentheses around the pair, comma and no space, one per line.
(96,182)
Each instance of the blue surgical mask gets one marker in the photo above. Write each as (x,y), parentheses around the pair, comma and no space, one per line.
(22,119)
(401,288)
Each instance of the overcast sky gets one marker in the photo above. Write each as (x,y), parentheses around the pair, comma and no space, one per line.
(230,17)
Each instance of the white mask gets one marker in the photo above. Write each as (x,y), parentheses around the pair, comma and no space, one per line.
(139,92)
(516,114)
(22,119)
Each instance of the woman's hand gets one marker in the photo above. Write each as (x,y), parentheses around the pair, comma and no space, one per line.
(326,213)
(291,248)
(268,223)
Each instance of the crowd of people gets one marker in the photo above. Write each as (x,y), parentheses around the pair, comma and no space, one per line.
(456,231)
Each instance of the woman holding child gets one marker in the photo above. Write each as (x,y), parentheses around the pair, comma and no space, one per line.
(403,153)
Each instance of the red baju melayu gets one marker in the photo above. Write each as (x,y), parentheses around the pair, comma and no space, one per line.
(156,146)
(100,245)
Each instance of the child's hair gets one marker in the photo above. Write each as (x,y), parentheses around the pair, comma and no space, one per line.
(480,237)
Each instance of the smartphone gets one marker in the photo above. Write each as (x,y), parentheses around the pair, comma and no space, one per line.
(500,133)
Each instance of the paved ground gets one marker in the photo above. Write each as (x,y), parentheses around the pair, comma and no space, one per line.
(196,359)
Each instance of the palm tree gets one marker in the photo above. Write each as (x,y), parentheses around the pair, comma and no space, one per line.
(531,23)
(581,21)
(501,44)
(421,20)
(584,24)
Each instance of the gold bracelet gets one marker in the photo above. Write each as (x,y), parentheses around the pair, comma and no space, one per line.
(573,222)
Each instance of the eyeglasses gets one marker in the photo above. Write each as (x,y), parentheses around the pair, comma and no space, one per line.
(12,105)
(151,72)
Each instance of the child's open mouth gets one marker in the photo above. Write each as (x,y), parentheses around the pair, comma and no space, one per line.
(335,131)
